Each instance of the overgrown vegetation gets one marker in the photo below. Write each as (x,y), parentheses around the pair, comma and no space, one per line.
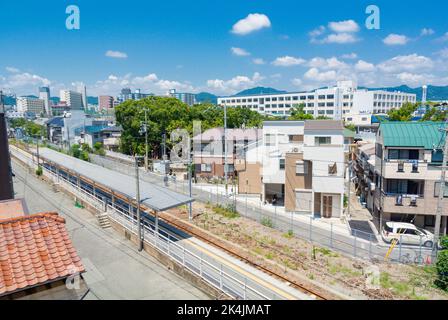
(81,152)
(39,171)
(442,265)
(267,222)
(226,211)
(31,129)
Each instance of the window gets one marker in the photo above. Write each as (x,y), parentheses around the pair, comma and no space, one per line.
(310,97)
(282,164)
(330,104)
(280,98)
(330,96)
(269,140)
(321,97)
(430,221)
(437,156)
(302,97)
(295,138)
(288,98)
(319,141)
(269,99)
(301,167)
(403,154)
(437,189)
(206,167)
(295,98)
(332,169)
(274,99)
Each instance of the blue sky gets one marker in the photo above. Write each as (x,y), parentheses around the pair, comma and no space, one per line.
(220,46)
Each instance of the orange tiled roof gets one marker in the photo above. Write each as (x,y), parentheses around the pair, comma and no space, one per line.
(35,249)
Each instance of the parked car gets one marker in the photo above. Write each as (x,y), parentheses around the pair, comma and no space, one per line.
(407,233)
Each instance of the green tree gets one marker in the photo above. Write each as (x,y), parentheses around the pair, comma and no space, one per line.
(435,114)
(404,113)
(167,114)
(298,113)
(442,266)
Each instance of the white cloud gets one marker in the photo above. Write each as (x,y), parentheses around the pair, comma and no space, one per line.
(116,54)
(239,52)
(258,61)
(443,53)
(427,32)
(347,26)
(287,61)
(253,22)
(317,32)
(395,40)
(297,82)
(314,74)
(443,38)
(340,38)
(12,70)
(237,83)
(349,56)
(413,79)
(412,62)
(326,64)
(363,66)
(23,83)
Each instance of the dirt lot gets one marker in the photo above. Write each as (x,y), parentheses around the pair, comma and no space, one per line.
(352,277)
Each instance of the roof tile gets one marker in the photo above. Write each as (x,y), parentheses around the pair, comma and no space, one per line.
(35,249)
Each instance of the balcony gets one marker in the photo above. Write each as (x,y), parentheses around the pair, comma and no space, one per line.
(405,169)
(404,204)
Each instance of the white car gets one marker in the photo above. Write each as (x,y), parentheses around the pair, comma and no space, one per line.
(407,233)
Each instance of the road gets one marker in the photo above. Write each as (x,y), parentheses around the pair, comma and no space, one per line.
(216,267)
(343,242)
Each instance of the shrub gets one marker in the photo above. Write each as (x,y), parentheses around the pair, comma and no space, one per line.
(39,171)
(442,270)
(267,222)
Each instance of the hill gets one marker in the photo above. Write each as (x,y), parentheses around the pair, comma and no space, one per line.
(204,97)
(259,90)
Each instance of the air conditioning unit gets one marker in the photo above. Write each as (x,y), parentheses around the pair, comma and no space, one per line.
(295,150)
(372,186)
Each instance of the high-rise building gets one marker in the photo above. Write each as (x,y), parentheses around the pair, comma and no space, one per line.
(44,94)
(73,99)
(83,91)
(127,94)
(105,102)
(30,104)
(185,97)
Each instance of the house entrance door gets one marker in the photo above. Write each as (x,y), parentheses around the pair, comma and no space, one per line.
(327,206)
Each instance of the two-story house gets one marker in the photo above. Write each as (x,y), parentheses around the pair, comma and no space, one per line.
(297,164)
(408,161)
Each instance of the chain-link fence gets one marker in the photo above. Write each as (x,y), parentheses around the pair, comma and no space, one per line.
(356,243)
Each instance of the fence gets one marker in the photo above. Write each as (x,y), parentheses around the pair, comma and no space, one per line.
(217,274)
(359,244)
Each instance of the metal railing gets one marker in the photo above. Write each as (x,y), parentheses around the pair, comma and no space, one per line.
(216,274)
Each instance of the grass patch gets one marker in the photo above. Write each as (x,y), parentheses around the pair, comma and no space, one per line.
(338,268)
(228,212)
(289,234)
(326,252)
(267,222)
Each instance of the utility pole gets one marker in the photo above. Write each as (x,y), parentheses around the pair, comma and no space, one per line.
(137,196)
(441,190)
(146,139)
(190,188)
(225,148)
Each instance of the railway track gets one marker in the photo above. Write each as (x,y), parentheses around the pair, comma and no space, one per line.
(185,227)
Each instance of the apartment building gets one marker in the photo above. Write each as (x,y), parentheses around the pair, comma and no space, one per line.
(73,99)
(30,104)
(209,150)
(185,97)
(333,102)
(408,159)
(44,94)
(105,102)
(299,164)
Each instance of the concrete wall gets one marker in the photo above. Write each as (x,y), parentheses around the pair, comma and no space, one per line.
(249,178)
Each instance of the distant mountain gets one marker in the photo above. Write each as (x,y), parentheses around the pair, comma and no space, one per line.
(204,97)
(434,92)
(259,90)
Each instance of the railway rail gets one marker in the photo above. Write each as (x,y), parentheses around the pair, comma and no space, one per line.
(171,227)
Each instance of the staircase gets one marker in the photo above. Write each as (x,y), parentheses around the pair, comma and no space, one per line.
(103,220)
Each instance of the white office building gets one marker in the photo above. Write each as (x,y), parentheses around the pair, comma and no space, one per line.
(44,94)
(332,102)
(30,104)
(73,99)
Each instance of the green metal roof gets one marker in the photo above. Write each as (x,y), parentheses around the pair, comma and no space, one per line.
(425,134)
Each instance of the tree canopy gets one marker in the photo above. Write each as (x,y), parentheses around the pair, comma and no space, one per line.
(298,113)
(404,113)
(165,114)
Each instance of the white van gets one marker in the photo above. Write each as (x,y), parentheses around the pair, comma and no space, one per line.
(407,233)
